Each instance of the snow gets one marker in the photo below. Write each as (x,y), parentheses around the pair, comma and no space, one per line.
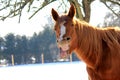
(49,71)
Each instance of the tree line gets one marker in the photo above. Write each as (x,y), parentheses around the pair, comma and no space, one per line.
(25,48)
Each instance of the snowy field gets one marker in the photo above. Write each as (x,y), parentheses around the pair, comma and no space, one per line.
(49,71)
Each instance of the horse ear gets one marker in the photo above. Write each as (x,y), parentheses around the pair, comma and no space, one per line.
(54,14)
(71,11)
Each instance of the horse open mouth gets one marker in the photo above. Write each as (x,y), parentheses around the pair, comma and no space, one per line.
(64,51)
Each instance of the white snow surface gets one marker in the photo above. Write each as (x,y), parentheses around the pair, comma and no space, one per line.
(48,71)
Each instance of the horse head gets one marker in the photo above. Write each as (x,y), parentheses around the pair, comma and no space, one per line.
(65,30)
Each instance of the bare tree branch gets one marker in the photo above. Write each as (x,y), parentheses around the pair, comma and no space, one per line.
(15,7)
(113,2)
(65,5)
(14,11)
(45,3)
(7,5)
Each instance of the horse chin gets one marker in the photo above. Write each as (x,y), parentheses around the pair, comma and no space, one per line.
(64,51)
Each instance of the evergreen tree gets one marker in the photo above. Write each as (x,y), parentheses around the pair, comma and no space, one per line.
(9,46)
(1,47)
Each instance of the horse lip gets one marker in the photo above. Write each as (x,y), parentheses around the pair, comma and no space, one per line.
(67,51)
(63,53)
(63,42)
(64,49)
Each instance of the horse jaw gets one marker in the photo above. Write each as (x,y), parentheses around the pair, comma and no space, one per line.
(64,49)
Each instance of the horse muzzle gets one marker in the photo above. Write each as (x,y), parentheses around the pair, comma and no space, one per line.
(64,47)
(64,43)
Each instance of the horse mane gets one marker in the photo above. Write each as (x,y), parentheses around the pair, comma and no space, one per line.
(96,43)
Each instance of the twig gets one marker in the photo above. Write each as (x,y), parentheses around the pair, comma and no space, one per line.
(43,5)
(115,2)
(112,10)
(13,11)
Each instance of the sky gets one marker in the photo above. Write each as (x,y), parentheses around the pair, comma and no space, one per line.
(28,27)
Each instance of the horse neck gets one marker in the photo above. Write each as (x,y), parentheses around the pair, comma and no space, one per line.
(88,44)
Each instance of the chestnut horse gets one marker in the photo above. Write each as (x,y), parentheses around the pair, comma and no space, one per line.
(99,48)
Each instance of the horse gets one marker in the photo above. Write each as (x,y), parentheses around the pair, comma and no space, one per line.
(98,48)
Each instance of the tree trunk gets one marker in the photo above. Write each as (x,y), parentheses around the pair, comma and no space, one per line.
(79,14)
(86,9)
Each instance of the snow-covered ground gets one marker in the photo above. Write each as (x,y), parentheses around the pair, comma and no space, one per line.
(49,71)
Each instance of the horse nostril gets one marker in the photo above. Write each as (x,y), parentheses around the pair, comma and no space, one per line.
(68,38)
